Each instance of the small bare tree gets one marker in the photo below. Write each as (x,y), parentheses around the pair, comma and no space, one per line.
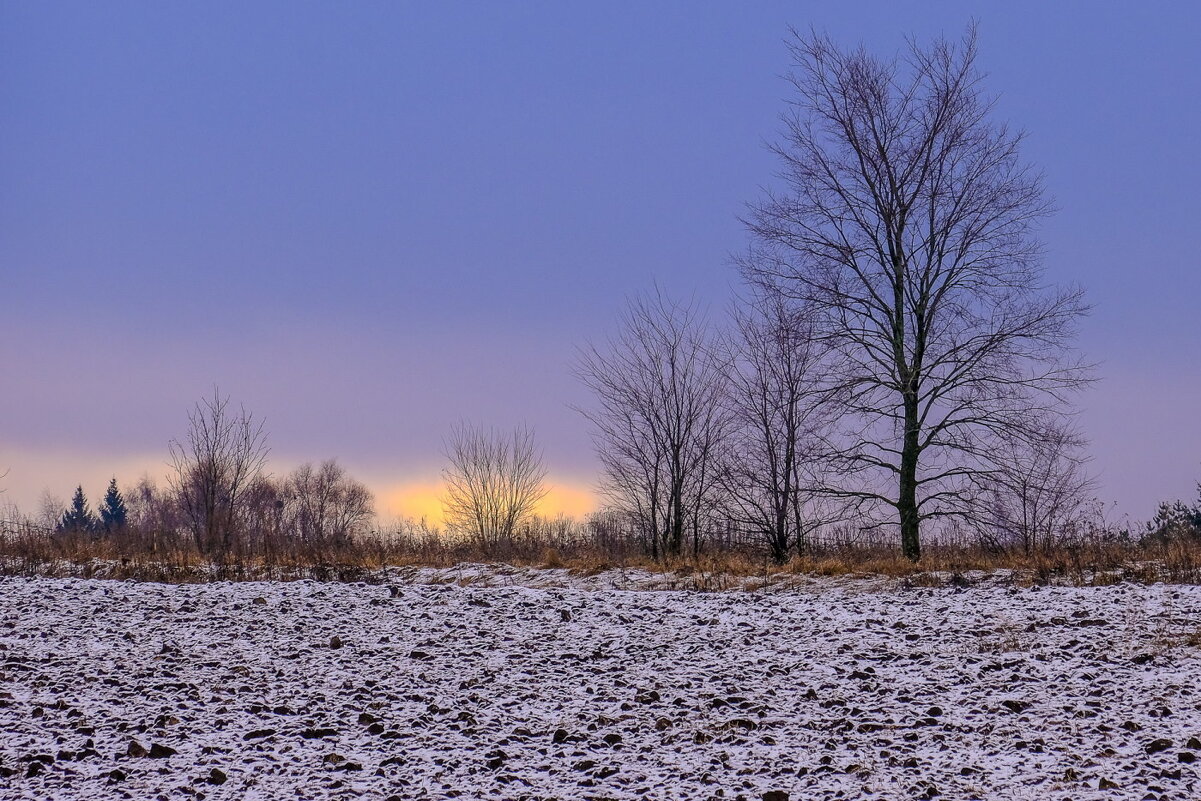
(1039,497)
(222,455)
(660,420)
(327,504)
(908,227)
(50,510)
(261,521)
(494,481)
(771,464)
(154,513)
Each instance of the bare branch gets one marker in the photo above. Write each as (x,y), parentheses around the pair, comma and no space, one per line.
(494,481)
(907,228)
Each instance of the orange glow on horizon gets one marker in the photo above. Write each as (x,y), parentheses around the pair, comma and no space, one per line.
(572,501)
(423,499)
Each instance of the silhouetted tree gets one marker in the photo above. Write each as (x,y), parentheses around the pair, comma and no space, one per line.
(78,517)
(263,521)
(113,512)
(907,226)
(660,419)
(493,483)
(327,504)
(222,455)
(1177,519)
(50,510)
(1039,497)
(154,510)
(770,463)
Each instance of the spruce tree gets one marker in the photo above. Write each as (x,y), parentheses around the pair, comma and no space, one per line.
(112,509)
(79,517)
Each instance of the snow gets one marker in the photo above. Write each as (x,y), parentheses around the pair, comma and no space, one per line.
(477,684)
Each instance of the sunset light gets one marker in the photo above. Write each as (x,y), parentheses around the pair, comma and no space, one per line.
(419,500)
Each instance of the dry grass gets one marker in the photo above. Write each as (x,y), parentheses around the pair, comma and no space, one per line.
(170,558)
(1089,563)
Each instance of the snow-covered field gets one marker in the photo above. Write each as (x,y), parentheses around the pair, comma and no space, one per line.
(834,689)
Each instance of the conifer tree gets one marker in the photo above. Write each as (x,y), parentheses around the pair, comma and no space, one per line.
(112,509)
(79,517)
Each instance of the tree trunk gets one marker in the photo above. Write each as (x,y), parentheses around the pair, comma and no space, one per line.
(676,545)
(782,499)
(907,496)
(779,537)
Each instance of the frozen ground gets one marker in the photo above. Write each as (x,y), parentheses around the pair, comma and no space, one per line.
(834,689)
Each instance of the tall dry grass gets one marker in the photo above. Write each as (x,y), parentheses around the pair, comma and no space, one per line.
(147,554)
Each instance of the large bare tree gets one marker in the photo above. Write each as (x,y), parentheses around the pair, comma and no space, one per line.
(493,483)
(222,455)
(659,419)
(906,223)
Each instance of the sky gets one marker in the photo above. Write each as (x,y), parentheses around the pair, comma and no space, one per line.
(368,221)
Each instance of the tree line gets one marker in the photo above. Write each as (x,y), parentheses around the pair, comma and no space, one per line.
(219,496)
(79,517)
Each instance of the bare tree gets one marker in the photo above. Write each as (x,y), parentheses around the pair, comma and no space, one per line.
(154,511)
(1040,495)
(262,524)
(907,226)
(50,510)
(493,482)
(328,505)
(221,457)
(772,460)
(660,419)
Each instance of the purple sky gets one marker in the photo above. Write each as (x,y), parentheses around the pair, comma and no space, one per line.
(369,220)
